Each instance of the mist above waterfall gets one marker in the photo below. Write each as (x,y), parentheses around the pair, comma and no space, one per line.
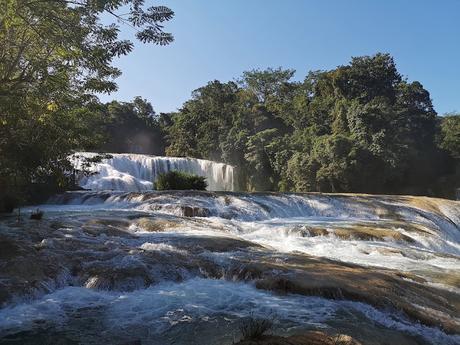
(135,172)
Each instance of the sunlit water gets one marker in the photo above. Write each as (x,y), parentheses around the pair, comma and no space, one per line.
(200,310)
(197,310)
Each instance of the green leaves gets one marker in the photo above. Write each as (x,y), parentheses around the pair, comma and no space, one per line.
(178,180)
(449,136)
(41,36)
(155,35)
(359,127)
(55,55)
(266,84)
(148,21)
(131,127)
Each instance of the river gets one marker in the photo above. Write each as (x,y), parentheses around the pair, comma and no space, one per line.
(189,267)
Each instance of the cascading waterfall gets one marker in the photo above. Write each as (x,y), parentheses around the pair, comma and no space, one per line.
(135,172)
(188,267)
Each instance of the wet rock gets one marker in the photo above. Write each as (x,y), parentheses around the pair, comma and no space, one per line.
(105,253)
(118,280)
(24,270)
(363,232)
(156,224)
(107,226)
(215,244)
(367,233)
(316,231)
(189,211)
(380,288)
(8,249)
(309,338)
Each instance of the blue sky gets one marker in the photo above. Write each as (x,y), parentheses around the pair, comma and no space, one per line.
(219,39)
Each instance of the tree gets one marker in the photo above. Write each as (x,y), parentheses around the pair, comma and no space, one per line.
(448,141)
(55,55)
(373,126)
(132,127)
(201,125)
(258,160)
(178,180)
(332,157)
(449,136)
(368,77)
(360,127)
(51,42)
(267,83)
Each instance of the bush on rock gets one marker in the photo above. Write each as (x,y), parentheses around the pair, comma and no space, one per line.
(177,180)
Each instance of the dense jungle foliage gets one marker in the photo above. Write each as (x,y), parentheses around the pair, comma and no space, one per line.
(361,127)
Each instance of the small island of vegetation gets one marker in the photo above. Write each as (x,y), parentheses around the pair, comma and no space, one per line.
(178,180)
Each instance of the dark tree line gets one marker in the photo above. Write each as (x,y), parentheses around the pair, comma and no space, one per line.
(361,127)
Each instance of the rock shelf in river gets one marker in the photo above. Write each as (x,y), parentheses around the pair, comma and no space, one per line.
(144,270)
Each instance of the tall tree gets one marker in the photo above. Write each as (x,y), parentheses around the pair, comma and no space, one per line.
(449,136)
(359,127)
(132,127)
(54,56)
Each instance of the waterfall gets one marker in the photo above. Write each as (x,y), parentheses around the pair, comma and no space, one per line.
(186,267)
(136,172)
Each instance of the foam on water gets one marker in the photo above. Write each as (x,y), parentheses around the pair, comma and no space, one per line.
(272,220)
(279,222)
(162,247)
(167,307)
(264,206)
(367,253)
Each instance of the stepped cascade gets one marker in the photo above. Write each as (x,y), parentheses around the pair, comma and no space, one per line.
(135,172)
(190,267)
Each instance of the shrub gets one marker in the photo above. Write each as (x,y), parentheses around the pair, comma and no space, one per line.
(37,215)
(254,328)
(177,180)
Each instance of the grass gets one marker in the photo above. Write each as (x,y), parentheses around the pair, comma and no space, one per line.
(254,328)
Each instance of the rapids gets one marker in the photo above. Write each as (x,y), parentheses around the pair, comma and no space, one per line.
(191,267)
(135,172)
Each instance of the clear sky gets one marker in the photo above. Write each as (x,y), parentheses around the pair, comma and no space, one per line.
(219,39)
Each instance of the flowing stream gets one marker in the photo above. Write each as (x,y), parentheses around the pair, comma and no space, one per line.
(185,267)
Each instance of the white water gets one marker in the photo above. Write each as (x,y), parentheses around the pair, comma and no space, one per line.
(208,311)
(158,313)
(135,172)
(423,255)
(281,222)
